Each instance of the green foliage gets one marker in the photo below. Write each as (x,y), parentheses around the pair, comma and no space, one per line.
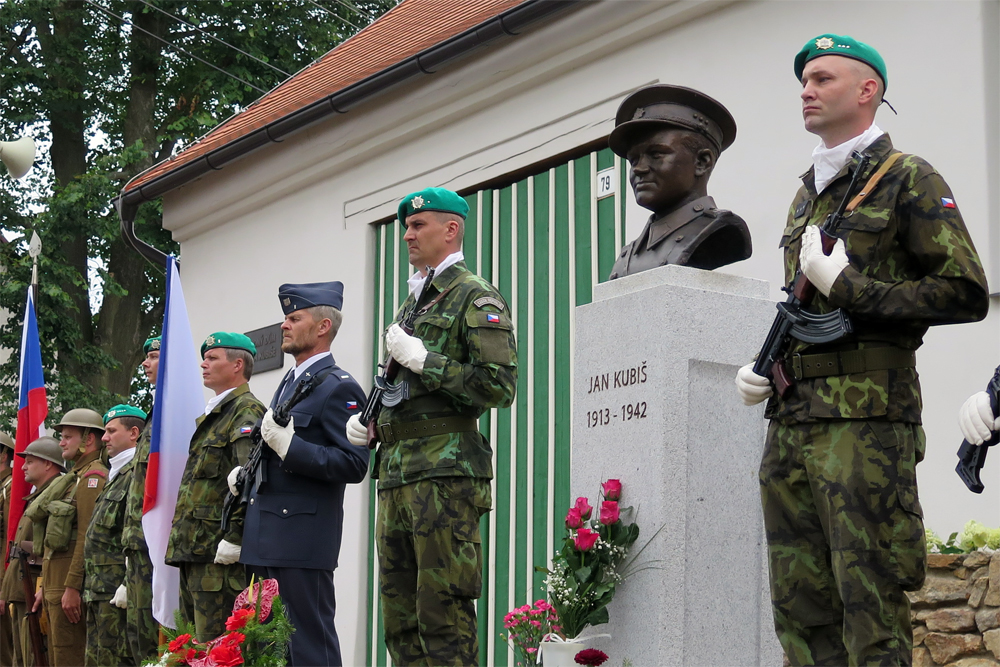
(104,101)
(974,535)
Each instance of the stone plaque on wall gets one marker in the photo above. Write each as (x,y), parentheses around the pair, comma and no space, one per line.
(268,342)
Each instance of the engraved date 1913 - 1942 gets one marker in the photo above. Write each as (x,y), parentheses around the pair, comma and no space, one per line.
(605,416)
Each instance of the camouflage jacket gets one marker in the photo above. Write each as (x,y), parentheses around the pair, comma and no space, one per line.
(912,265)
(221,441)
(133,538)
(103,560)
(471,366)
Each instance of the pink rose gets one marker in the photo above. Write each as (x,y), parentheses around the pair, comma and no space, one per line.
(585,539)
(612,489)
(609,512)
(583,507)
(573,519)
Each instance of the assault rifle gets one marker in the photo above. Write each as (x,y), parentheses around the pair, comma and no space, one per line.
(971,458)
(34,627)
(383,391)
(793,321)
(254,468)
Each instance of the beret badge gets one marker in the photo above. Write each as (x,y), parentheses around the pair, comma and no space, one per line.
(155,345)
(418,202)
(210,340)
(825,43)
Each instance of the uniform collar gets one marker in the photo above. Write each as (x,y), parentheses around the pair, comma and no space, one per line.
(416,281)
(671,222)
(85,460)
(308,363)
(225,397)
(879,150)
(38,489)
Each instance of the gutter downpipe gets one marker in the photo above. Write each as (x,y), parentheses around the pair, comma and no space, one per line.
(428,61)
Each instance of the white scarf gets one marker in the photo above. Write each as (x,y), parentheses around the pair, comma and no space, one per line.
(416,281)
(827,162)
(119,461)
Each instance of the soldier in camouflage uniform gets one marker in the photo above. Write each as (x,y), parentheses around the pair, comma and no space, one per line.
(434,466)
(211,576)
(838,480)
(6,463)
(104,562)
(135,594)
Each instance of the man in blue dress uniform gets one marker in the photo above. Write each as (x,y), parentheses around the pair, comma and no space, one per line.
(295,514)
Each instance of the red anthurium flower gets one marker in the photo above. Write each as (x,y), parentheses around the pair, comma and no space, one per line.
(609,512)
(612,489)
(585,539)
(239,619)
(583,507)
(574,519)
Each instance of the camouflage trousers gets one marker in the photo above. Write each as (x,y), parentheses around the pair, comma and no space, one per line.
(208,591)
(142,630)
(431,569)
(845,539)
(107,645)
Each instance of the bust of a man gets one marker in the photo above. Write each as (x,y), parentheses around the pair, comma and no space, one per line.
(672,137)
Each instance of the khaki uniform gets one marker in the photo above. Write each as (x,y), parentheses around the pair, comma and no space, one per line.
(434,489)
(221,441)
(6,638)
(141,628)
(62,569)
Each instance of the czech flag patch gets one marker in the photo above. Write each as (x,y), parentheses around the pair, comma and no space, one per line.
(947,202)
(352,405)
(492,318)
(245,430)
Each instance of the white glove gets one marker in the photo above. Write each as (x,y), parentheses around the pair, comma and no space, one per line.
(406,349)
(976,419)
(357,434)
(118,599)
(231,480)
(227,553)
(753,388)
(278,438)
(821,270)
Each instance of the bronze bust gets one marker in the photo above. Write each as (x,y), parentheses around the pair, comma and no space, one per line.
(672,137)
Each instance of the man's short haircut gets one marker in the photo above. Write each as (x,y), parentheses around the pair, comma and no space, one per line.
(443,217)
(695,142)
(866,71)
(232,354)
(320,313)
(129,422)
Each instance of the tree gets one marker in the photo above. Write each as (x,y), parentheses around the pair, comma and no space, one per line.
(108,88)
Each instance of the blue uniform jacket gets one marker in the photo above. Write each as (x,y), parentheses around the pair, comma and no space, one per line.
(297,518)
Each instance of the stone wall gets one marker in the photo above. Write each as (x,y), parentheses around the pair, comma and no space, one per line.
(956,615)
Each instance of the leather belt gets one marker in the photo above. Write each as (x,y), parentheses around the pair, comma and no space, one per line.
(389,433)
(806,366)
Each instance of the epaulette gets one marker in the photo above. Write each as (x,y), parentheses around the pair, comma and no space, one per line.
(95,471)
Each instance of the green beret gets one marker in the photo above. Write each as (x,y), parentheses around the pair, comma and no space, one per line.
(840,45)
(432,199)
(236,341)
(151,345)
(122,410)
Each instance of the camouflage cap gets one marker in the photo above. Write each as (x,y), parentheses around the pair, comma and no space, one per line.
(840,45)
(44,448)
(6,441)
(432,199)
(228,339)
(151,345)
(122,410)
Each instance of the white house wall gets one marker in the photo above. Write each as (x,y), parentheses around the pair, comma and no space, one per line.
(300,211)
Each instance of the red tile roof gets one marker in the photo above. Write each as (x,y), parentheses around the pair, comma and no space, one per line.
(402,32)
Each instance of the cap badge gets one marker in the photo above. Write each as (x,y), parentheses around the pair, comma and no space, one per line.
(639,113)
(418,202)
(210,340)
(825,43)
(155,345)
(287,301)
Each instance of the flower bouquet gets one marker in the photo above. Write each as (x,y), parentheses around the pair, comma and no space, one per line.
(257,634)
(526,626)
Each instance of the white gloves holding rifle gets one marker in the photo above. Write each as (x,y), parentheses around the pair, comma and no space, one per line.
(278,438)
(408,350)
(227,553)
(357,434)
(753,388)
(821,270)
(976,419)
(231,480)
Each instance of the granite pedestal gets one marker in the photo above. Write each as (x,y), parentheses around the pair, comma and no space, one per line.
(655,405)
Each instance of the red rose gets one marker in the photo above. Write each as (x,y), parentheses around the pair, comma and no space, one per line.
(178,643)
(591,656)
(239,619)
(583,507)
(226,655)
(609,512)
(585,539)
(612,489)
(573,519)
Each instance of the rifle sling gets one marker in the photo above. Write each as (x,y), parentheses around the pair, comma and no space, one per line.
(872,182)
(389,433)
(806,366)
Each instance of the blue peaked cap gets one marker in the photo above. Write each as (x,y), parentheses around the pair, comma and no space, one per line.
(306,295)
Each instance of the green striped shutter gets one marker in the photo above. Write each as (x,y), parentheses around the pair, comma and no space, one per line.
(544,241)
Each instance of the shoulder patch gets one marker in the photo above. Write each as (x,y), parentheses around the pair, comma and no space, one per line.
(93,482)
(489,301)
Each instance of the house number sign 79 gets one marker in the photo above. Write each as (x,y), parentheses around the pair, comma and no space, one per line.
(605,182)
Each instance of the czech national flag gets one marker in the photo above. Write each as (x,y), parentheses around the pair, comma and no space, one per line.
(177,403)
(31,411)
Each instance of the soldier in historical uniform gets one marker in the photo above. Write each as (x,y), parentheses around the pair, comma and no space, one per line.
(672,137)
(135,594)
(434,466)
(65,513)
(295,515)
(6,466)
(104,561)
(838,476)
(43,464)
(211,576)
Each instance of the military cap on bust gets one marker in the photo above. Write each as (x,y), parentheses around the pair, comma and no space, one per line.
(306,295)
(82,418)
(122,410)
(151,345)
(661,105)
(840,45)
(6,441)
(432,199)
(228,339)
(44,448)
